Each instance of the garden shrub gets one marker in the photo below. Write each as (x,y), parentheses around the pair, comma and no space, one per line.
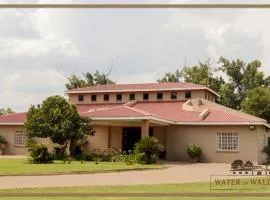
(39,154)
(147,150)
(194,151)
(59,154)
(2,140)
(129,159)
(107,155)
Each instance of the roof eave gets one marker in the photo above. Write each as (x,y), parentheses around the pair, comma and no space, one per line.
(139,90)
(8,124)
(224,123)
(151,118)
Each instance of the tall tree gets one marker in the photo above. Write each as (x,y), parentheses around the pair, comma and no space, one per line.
(241,77)
(58,120)
(6,111)
(202,74)
(171,77)
(198,74)
(237,79)
(257,103)
(88,79)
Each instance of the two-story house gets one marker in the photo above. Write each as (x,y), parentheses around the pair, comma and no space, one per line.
(177,114)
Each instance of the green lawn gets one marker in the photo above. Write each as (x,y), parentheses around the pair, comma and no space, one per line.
(190,187)
(21,167)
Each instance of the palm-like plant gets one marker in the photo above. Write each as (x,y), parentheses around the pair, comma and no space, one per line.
(147,150)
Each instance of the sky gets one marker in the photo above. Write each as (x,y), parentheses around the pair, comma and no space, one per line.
(40,47)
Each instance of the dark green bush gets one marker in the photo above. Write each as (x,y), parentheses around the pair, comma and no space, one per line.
(59,154)
(194,151)
(129,159)
(147,150)
(39,154)
(2,140)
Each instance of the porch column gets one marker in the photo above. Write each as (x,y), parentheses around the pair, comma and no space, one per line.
(109,136)
(145,128)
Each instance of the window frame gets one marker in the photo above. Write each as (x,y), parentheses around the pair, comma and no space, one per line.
(95,97)
(21,141)
(159,97)
(173,93)
(119,95)
(132,95)
(227,142)
(147,95)
(106,99)
(80,98)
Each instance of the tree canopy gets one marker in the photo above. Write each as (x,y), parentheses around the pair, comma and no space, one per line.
(232,79)
(58,120)
(6,111)
(257,103)
(88,79)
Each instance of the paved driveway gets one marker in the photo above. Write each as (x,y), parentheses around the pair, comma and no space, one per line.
(176,173)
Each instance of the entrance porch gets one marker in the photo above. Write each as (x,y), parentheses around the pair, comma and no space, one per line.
(124,134)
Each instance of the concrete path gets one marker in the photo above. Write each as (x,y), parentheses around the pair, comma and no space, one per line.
(176,173)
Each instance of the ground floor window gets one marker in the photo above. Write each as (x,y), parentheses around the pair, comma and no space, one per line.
(227,142)
(20,138)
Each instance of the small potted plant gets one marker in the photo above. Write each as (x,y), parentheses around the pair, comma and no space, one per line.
(194,152)
(3,143)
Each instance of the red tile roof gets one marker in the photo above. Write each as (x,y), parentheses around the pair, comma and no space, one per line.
(223,116)
(119,111)
(168,110)
(81,108)
(140,87)
(171,112)
(17,118)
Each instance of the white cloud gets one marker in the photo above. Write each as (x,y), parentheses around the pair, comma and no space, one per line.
(36,44)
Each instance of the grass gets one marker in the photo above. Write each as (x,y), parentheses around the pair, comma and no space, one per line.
(188,187)
(21,167)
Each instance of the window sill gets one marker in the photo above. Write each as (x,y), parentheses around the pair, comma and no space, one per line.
(227,151)
(19,145)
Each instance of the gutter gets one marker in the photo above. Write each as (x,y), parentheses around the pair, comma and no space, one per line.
(139,90)
(7,124)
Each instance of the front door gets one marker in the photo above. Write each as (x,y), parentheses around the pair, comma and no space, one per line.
(131,135)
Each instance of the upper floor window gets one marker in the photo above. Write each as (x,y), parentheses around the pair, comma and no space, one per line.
(19,138)
(188,94)
(93,97)
(119,97)
(80,98)
(106,97)
(132,96)
(159,95)
(227,142)
(145,96)
(173,95)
